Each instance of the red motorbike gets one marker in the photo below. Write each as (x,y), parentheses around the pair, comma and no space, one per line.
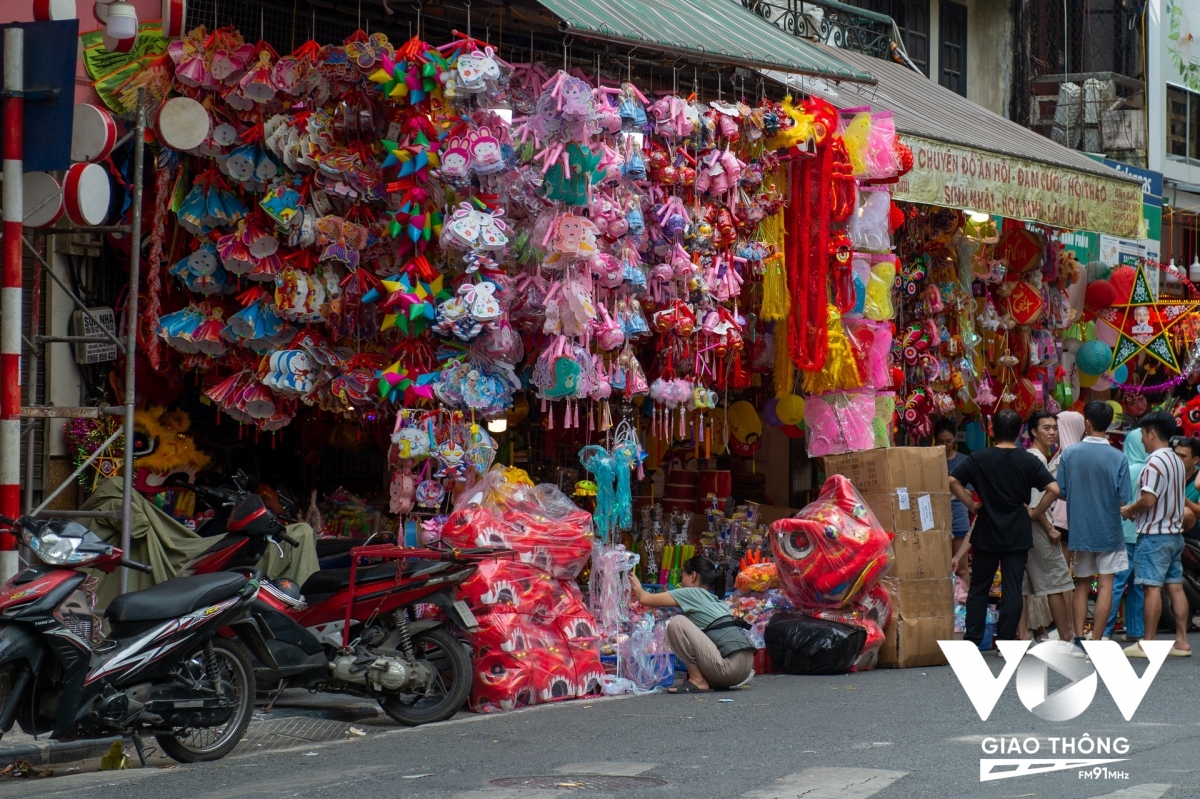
(164,669)
(416,669)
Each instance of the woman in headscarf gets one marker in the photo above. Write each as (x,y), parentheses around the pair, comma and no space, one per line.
(1070,433)
(1135,453)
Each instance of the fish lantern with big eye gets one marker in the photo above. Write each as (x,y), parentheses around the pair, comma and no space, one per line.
(834,551)
(502,682)
(553,674)
(508,586)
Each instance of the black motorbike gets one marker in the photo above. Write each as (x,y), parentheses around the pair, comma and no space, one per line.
(163,669)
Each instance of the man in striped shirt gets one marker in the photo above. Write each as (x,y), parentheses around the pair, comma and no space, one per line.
(1158,514)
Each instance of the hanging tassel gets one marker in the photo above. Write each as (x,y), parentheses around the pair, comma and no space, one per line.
(840,371)
(591,421)
(577,414)
(550,425)
(784,371)
(776,303)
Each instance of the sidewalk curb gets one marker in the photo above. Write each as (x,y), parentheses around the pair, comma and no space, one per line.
(46,753)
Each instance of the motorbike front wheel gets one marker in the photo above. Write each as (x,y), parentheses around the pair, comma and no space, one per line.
(452,666)
(237,683)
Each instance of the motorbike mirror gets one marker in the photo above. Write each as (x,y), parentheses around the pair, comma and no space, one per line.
(240,479)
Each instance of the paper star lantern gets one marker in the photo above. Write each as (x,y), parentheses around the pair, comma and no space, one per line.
(1143,324)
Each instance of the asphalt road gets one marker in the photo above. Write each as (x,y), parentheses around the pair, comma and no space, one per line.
(882,734)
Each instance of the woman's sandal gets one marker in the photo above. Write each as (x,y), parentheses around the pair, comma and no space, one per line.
(687,687)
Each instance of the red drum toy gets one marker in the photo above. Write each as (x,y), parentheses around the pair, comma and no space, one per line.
(53,10)
(42,198)
(182,124)
(717,482)
(94,134)
(86,194)
(118,45)
(174,18)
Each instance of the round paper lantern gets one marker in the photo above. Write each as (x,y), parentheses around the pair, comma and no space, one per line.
(1100,294)
(769,415)
(1120,374)
(1102,384)
(792,431)
(1094,358)
(790,409)
(744,423)
(976,439)
(1086,380)
(1122,282)
(1116,406)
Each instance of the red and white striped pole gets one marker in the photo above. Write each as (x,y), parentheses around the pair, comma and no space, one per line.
(10,295)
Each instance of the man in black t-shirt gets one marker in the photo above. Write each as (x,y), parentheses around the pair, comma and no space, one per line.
(1003,476)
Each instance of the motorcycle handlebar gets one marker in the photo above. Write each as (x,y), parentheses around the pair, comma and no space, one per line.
(133,564)
(287,539)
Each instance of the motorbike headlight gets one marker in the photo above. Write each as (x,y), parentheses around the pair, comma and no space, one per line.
(57,550)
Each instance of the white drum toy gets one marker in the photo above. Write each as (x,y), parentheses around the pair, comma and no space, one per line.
(174,16)
(86,194)
(94,133)
(182,124)
(53,10)
(42,198)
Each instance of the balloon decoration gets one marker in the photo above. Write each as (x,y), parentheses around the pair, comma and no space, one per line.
(790,409)
(769,413)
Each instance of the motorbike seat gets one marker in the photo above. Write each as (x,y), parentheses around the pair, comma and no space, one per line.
(327,581)
(175,598)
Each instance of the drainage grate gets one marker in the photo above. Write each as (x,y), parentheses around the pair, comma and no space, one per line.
(579,782)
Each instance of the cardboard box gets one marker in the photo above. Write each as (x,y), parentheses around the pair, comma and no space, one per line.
(922,555)
(913,642)
(916,599)
(881,471)
(773,513)
(905,511)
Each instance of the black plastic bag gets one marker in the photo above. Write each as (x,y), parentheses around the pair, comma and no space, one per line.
(799,644)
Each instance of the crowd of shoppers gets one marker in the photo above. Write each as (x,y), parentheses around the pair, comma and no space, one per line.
(1072,511)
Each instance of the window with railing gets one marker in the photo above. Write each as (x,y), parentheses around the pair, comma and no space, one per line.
(852,28)
(912,22)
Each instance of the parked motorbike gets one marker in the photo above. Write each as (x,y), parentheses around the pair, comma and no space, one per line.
(331,553)
(163,669)
(416,669)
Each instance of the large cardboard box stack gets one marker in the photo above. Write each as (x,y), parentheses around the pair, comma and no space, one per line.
(907,488)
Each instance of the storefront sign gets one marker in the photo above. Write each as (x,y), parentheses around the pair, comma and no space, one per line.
(959,177)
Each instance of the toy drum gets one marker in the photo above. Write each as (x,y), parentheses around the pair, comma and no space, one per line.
(174,16)
(100,12)
(718,482)
(53,10)
(86,194)
(182,124)
(43,199)
(680,485)
(118,45)
(93,135)
(681,505)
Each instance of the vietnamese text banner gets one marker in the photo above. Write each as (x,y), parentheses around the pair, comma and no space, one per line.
(959,177)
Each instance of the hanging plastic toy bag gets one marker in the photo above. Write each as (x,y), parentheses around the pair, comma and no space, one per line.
(833,551)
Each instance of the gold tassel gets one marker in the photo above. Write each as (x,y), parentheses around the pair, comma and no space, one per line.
(784,370)
(777,301)
(841,370)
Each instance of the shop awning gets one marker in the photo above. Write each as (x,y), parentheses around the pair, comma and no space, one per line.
(713,30)
(967,157)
